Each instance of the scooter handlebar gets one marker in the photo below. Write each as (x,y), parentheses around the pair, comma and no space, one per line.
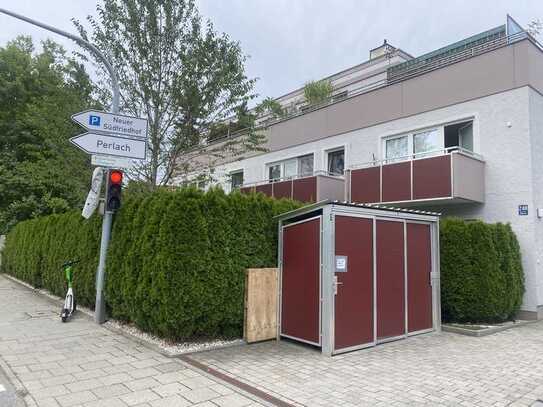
(70,263)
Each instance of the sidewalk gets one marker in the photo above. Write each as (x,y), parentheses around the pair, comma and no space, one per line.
(82,364)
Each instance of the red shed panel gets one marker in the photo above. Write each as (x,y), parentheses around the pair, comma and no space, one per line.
(366,185)
(419,267)
(282,189)
(432,177)
(390,279)
(353,312)
(300,284)
(397,182)
(305,189)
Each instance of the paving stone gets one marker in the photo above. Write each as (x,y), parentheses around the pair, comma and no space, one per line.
(139,397)
(232,400)
(166,390)
(141,384)
(202,394)
(172,401)
(73,399)
(110,391)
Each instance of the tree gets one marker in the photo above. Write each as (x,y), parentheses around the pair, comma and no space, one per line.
(40,171)
(179,73)
(316,92)
(271,107)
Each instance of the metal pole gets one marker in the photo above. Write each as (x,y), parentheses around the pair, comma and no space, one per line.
(100,310)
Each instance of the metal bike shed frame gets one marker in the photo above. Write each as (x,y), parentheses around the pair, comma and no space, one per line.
(327,211)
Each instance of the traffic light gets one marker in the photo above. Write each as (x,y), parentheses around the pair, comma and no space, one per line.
(113,190)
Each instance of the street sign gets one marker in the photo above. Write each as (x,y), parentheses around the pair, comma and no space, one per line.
(94,143)
(94,194)
(110,161)
(95,120)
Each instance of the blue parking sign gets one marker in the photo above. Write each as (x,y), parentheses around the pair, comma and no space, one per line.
(523,210)
(94,120)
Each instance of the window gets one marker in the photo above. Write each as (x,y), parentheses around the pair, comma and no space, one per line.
(459,135)
(306,165)
(413,145)
(274,172)
(336,162)
(396,147)
(236,179)
(295,167)
(426,141)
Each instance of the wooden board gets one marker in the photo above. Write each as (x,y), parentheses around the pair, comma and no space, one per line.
(260,321)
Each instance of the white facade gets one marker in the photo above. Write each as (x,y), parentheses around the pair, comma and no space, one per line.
(507,132)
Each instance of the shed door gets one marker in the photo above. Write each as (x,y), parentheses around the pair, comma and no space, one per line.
(390,279)
(419,267)
(353,308)
(300,281)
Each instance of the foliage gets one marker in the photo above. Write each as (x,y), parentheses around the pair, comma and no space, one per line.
(316,92)
(481,271)
(179,73)
(272,107)
(176,260)
(40,171)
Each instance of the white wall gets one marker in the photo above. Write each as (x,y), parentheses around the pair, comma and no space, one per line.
(502,127)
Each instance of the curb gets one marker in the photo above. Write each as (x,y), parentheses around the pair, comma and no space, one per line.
(485,331)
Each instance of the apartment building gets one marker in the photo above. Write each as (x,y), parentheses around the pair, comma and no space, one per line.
(458,131)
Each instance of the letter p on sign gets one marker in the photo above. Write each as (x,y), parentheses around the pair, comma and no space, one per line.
(94,120)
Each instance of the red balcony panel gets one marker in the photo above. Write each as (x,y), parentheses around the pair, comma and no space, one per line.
(397,182)
(266,189)
(366,185)
(282,189)
(432,177)
(305,189)
(247,190)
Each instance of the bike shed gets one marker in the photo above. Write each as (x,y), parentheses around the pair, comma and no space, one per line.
(356,275)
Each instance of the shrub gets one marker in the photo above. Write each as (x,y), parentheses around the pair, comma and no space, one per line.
(481,271)
(176,259)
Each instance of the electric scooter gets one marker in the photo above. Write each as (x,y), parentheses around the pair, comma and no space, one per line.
(69,303)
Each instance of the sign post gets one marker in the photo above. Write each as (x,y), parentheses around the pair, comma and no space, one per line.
(100,310)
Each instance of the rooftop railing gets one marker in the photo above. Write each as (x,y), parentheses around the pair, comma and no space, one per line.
(397,73)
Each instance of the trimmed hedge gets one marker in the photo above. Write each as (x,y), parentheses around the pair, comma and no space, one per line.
(176,259)
(481,271)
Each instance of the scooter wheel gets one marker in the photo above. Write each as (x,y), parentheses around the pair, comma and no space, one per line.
(64,315)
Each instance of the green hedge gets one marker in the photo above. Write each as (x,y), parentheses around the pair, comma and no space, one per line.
(176,259)
(481,271)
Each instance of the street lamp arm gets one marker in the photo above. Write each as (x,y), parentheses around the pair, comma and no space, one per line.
(83,43)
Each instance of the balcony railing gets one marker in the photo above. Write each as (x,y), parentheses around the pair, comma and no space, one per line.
(313,188)
(449,174)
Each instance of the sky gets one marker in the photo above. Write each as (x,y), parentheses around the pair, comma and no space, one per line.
(290,42)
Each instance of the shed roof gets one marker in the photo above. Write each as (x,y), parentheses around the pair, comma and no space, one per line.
(320,204)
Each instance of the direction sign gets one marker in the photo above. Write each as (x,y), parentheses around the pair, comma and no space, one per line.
(95,120)
(94,143)
(110,161)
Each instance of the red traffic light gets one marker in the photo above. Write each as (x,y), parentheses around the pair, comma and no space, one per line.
(115,177)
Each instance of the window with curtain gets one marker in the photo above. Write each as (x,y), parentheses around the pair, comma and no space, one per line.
(274,172)
(397,147)
(306,165)
(336,162)
(236,179)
